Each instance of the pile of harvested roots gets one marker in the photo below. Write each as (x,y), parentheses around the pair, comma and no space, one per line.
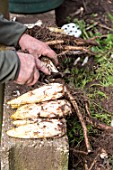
(69,45)
(61,43)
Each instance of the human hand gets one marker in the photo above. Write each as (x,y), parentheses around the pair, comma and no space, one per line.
(29,66)
(36,47)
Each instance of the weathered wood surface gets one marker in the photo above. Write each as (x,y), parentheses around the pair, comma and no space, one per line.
(28,154)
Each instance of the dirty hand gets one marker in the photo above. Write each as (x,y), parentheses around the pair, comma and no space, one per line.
(36,47)
(29,66)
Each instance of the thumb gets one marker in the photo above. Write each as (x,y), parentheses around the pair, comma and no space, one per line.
(41,66)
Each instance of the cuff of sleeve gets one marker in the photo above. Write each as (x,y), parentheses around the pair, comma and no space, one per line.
(10,32)
(9,66)
(18,68)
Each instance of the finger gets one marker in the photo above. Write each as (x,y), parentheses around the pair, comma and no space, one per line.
(42,67)
(34,78)
(19,82)
(51,54)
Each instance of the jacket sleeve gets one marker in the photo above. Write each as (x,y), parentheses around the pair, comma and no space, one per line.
(9,66)
(10,32)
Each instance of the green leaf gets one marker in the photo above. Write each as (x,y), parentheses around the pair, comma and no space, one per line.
(110,79)
(101,93)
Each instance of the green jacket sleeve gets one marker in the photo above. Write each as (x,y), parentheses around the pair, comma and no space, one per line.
(10,32)
(9,66)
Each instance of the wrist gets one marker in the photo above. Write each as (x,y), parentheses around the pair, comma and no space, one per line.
(23,40)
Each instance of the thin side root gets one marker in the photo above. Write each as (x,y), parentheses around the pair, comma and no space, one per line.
(54,42)
(97,124)
(75,106)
